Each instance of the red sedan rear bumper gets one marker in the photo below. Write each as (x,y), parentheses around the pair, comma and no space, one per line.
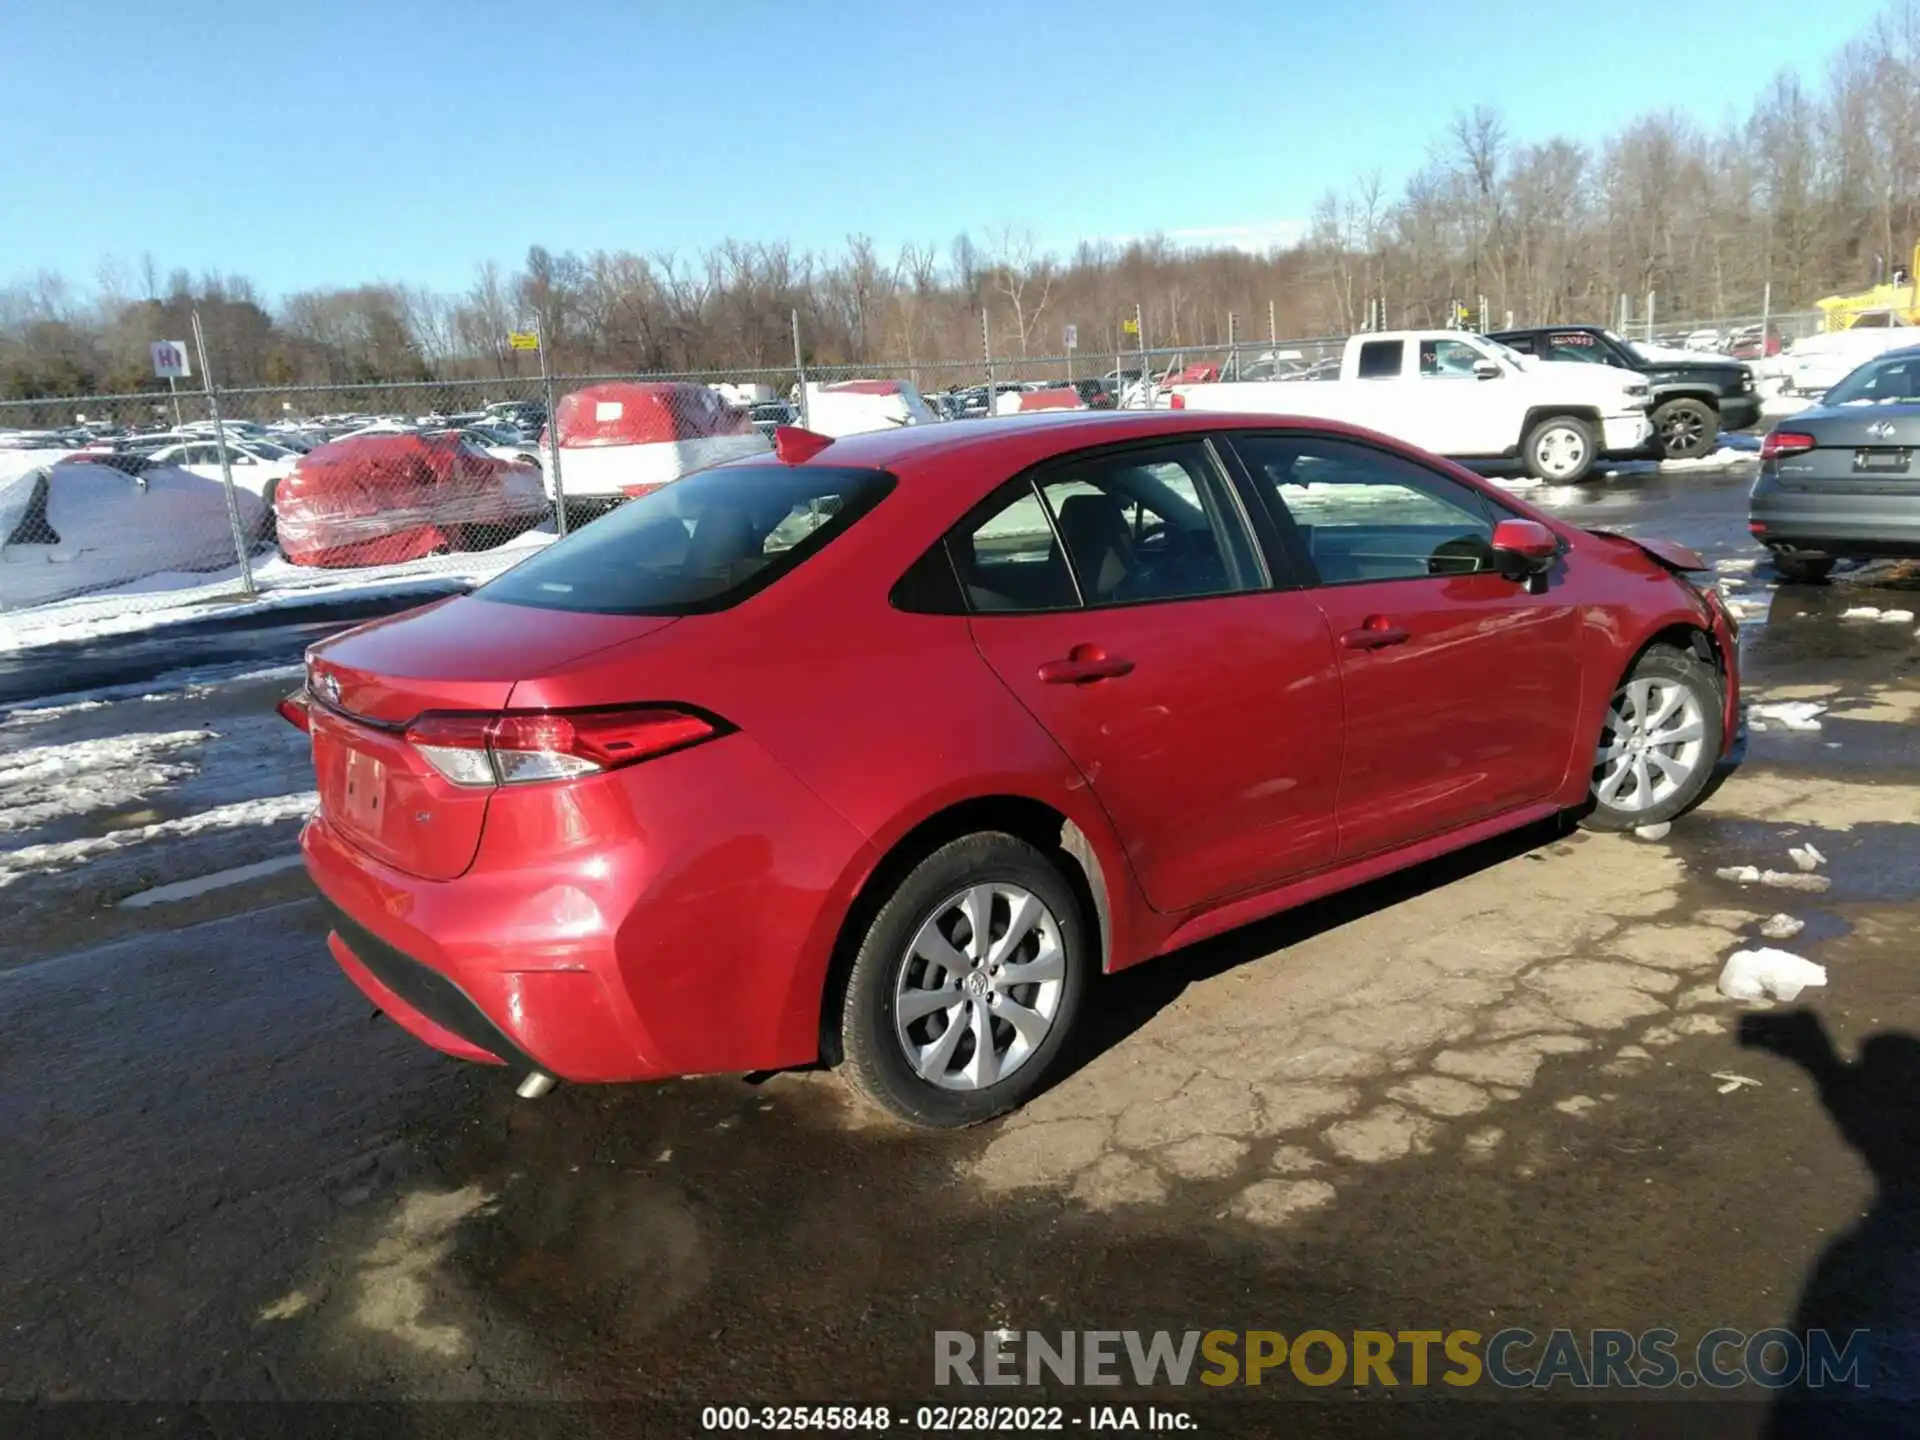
(697,944)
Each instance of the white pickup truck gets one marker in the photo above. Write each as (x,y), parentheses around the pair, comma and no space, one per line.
(1462,396)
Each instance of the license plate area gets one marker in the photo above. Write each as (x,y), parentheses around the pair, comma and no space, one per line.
(1881,462)
(365,781)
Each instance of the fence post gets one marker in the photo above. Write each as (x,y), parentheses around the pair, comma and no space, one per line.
(800,370)
(1650,317)
(242,549)
(553,434)
(986,351)
(1766,318)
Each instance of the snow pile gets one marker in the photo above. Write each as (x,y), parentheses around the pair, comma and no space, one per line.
(1806,857)
(1768,974)
(1788,714)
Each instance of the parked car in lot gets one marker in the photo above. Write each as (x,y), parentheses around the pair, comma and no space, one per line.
(1819,362)
(1463,396)
(73,524)
(1842,480)
(1693,399)
(380,499)
(767,416)
(622,438)
(880,750)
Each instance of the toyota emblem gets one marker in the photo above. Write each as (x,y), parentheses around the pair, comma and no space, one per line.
(1881,429)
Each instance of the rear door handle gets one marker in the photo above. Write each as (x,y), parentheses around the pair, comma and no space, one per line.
(1375,633)
(1084,664)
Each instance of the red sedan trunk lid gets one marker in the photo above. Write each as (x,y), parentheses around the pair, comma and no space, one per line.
(370,683)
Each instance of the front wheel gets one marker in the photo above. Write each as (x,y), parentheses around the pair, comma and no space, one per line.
(1560,449)
(966,985)
(1686,429)
(1803,569)
(1660,742)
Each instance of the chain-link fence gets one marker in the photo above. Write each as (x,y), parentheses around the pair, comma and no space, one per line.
(115,506)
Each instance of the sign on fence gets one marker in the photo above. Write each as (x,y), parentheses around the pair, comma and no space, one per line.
(523,340)
(170,360)
(1072,337)
(1129,327)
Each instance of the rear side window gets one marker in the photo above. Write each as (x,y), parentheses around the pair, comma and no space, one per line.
(701,544)
(1381,359)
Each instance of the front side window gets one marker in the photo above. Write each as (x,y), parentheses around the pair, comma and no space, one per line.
(1448,359)
(1361,514)
(700,544)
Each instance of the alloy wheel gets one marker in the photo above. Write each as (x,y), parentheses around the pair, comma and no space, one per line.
(1654,741)
(1683,434)
(980,986)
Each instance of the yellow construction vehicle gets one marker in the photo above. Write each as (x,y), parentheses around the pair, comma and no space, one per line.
(1897,302)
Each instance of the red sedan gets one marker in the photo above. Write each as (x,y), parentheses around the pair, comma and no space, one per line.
(879,750)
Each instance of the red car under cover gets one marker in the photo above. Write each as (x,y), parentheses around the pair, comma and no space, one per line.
(381,499)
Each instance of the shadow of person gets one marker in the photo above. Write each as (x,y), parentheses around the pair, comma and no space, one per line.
(1868,1279)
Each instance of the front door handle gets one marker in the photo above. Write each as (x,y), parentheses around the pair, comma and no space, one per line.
(1376,632)
(1084,665)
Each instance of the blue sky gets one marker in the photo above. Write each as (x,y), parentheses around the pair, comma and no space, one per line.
(345,141)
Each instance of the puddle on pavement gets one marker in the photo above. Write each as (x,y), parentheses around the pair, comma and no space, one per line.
(1869,862)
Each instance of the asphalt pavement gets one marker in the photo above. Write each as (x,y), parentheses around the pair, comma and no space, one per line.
(1498,1091)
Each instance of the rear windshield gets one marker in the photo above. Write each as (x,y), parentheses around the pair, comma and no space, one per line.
(700,544)
(1893,380)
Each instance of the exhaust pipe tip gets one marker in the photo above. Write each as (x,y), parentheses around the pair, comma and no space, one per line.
(535,1085)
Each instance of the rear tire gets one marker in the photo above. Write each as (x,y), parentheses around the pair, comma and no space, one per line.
(1660,742)
(1686,429)
(1560,450)
(1023,997)
(1803,569)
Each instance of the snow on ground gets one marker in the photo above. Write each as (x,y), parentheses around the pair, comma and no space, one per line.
(49,782)
(93,783)
(174,598)
(28,860)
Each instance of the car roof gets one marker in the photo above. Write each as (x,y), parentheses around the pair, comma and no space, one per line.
(1009,443)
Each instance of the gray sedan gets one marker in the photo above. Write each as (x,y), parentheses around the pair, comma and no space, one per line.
(1842,480)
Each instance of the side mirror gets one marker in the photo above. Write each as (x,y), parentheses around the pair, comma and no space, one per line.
(1486,370)
(1524,547)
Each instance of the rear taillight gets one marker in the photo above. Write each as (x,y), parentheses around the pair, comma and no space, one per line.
(1785,442)
(1178,402)
(297,710)
(523,747)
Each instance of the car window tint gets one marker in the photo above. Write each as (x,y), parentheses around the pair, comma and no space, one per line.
(1381,359)
(1143,527)
(1012,560)
(1448,359)
(1361,514)
(700,544)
